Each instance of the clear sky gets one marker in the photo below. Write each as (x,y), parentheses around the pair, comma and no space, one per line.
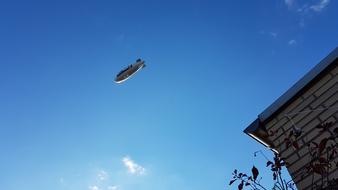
(212,67)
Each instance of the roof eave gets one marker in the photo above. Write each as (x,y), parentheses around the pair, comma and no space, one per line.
(287,97)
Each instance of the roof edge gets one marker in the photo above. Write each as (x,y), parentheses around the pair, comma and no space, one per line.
(298,86)
(257,129)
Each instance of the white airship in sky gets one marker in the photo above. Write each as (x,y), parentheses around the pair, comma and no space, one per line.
(129,71)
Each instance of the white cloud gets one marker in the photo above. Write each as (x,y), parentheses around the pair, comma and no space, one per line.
(292,42)
(302,23)
(62,180)
(114,187)
(304,9)
(268,34)
(102,175)
(121,37)
(320,6)
(273,34)
(94,187)
(133,167)
(289,3)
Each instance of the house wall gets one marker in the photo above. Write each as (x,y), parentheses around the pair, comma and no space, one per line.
(316,105)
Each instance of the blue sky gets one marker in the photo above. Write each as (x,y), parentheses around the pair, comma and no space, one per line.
(212,67)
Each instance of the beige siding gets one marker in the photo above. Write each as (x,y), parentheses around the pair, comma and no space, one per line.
(306,112)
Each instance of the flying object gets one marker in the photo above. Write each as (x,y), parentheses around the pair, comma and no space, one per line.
(126,73)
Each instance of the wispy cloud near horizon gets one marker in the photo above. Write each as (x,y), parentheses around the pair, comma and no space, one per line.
(289,3)
(292,42)
(94,187)
(132,166)
(102,175)
(320,6)
(304,8)
(273,34)
(114,187)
